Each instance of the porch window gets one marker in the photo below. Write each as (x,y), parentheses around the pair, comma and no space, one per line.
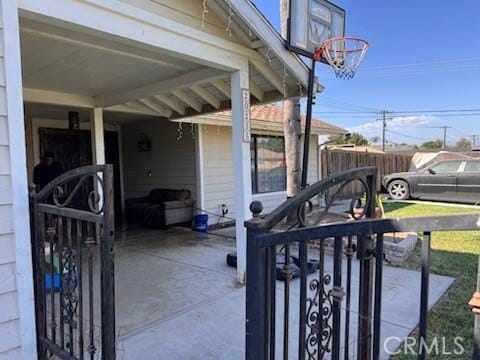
(269,170)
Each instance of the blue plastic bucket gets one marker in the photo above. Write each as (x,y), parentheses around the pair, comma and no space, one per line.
(56,281)
(200,223)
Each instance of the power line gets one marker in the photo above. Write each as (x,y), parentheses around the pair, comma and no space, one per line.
(346,112)
(445,115)
(359,112)
(405,112)
(353,116)
(445,62)
(445,128)
(438,111)
(452,138)
(405,135)
(347,105)
(420,68)
(460,132)
(474,139)
(413,72)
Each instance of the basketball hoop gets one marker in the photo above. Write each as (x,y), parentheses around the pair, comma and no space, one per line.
(344,54)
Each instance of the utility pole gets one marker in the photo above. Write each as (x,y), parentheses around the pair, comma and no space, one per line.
(445,128)
(474,140)
(384,129)
(384,119)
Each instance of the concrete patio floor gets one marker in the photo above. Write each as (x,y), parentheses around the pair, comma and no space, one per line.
(177,299)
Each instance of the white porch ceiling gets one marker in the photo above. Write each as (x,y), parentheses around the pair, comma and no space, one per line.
(60,60)
(122,76)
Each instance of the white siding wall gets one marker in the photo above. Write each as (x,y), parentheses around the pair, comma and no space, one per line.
(218,170)
(218,173)
(16,287)
(9,318)
(172,162)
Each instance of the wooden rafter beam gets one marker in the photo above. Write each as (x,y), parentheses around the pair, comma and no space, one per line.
(257,44)
(256,90)
(155,106)
(171,103)
(129,110)
(206,95)
(136,105)
(224,88)
(193,77)
(269,74)
(221,86)
(269,96)
(188,99)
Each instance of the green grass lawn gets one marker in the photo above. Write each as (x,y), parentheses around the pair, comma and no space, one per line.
(454,254)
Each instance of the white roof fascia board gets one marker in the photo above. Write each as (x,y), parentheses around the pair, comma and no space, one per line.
(255,124)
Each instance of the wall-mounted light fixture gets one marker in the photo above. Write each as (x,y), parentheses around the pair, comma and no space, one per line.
(144,144)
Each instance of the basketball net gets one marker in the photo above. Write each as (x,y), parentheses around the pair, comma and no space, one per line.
(344,54)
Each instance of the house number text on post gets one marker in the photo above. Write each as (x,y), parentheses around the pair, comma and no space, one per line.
(246,115)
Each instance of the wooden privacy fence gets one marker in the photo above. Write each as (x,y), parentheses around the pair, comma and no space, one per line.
(333,162)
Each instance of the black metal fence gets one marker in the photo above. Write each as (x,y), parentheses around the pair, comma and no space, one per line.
(73,229)
(322,324)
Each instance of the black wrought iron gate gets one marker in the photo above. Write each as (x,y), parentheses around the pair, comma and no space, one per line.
(73,230)
(317,319)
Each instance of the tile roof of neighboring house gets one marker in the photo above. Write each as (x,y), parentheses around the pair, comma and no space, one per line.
(274,114)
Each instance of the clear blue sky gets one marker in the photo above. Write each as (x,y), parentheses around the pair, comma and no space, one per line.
(446,33)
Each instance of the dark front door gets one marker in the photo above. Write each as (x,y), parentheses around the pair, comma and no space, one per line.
(73,148)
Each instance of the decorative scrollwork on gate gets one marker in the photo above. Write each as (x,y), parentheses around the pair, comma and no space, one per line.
(319,312)
(69,287)
(304,204)
(302,221)
(94,197)
(73,227)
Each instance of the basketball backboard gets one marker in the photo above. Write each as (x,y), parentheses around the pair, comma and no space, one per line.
(311,22)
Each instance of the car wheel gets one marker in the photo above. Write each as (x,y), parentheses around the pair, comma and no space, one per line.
(398,190)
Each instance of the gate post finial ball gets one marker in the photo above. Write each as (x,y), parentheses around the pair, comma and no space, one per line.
(256,208)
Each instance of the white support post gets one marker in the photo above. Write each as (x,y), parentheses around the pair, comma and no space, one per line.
(241,161)
(98,137)
(199,164)
(98,145)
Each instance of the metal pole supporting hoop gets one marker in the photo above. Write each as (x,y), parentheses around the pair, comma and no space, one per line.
(344,54)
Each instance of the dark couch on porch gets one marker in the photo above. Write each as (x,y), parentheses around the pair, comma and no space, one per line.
(161,208)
